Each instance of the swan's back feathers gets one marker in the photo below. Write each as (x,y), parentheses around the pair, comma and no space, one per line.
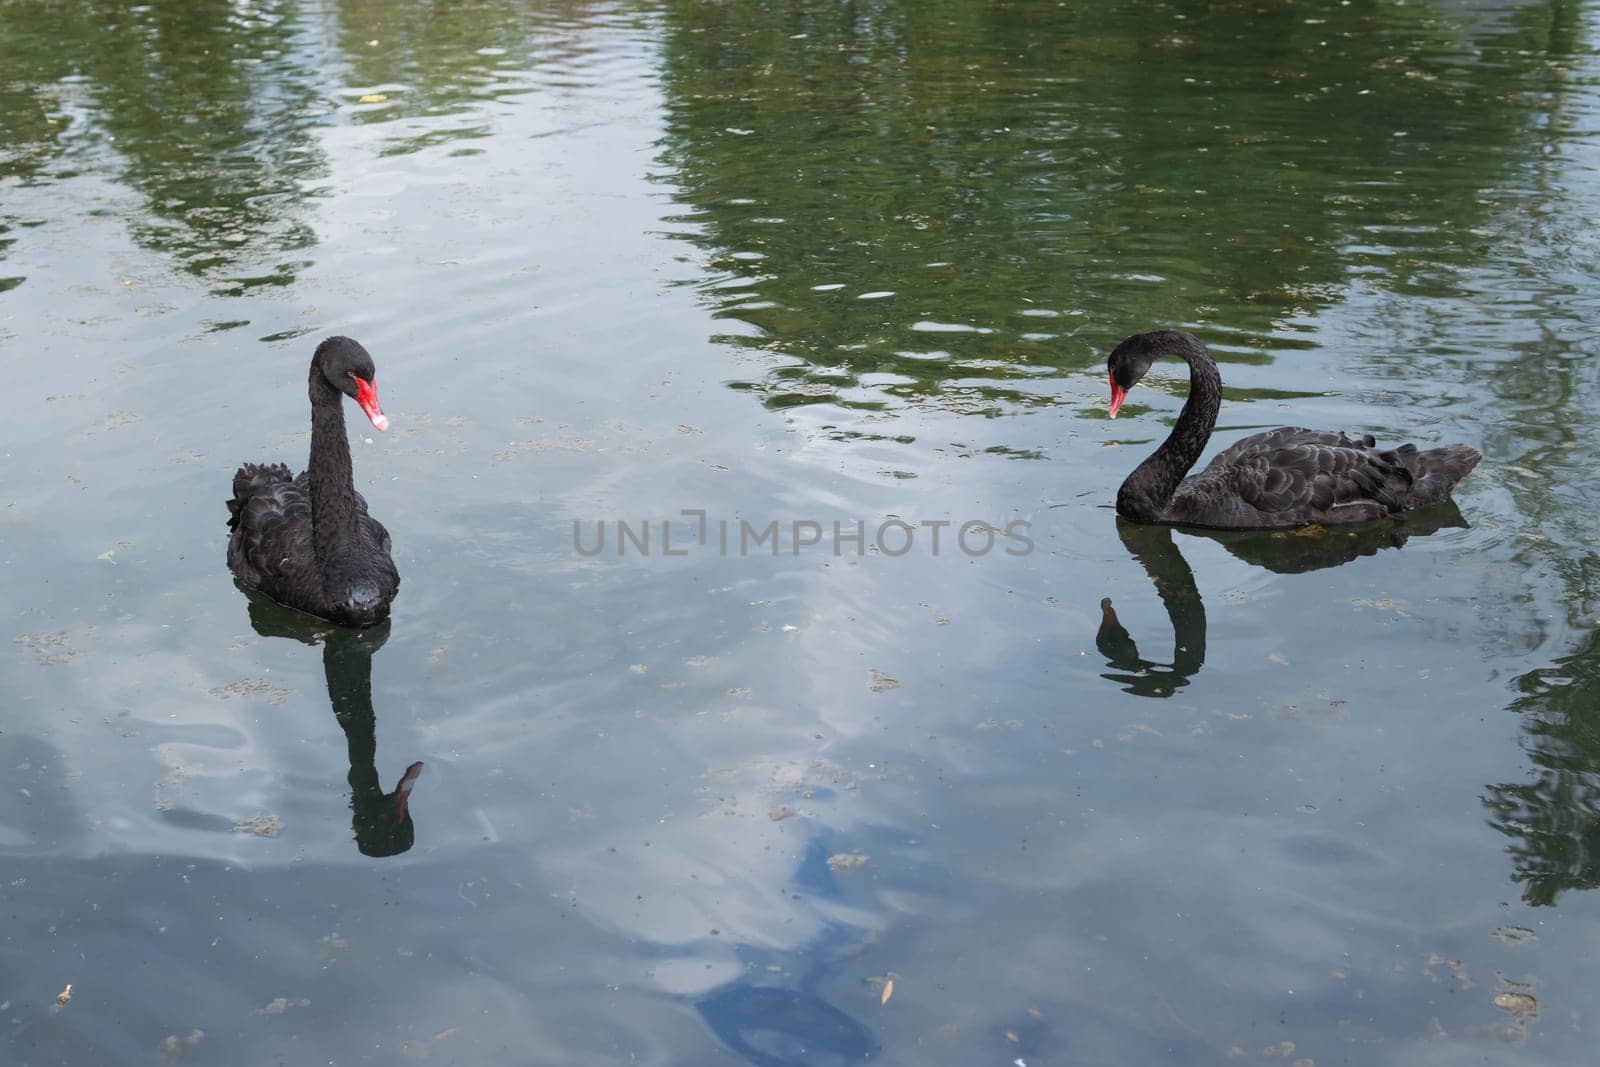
(1293,477)
(270,516)
(250,479)
(1291,437)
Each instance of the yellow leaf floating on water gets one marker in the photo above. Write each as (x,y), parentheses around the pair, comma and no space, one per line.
(888,991)
(373,98)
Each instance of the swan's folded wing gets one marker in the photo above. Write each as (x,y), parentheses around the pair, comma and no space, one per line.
(379,533)
(250,479)
(380,536)
(1321,477)
(1290,437)
(271,542)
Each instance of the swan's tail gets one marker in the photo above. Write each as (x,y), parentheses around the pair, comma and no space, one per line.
(248,480)
(1436,471)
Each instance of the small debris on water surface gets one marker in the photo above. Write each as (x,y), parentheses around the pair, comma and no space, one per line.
(1521,1005)
(1515,936)
(261,826)
(279,1005)
(174,1048)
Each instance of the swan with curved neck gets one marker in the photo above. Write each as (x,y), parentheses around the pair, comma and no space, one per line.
(1281,478)
(308,542)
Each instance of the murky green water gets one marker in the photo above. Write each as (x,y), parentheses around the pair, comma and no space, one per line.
(810,264)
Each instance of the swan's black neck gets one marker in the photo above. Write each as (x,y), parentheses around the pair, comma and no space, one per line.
(1147,491)
(333,489)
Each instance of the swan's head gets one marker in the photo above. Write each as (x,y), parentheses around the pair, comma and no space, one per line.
(1131,360)
(347,367)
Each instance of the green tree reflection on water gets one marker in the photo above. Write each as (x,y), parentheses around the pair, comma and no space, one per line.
(211,112)
(1023,175)
(1554,818)
(206,110)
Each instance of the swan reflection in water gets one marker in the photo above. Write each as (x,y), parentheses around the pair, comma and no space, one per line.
(381,821)
(1280,551)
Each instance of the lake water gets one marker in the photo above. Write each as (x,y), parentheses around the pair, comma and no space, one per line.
(853,263)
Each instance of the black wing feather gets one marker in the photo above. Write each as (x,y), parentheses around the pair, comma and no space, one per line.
(270,516)
(1293,476)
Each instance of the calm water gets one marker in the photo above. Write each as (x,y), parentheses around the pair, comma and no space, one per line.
(860,262)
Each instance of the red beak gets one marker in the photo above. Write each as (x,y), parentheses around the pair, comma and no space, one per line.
(1118,395)
(367,397)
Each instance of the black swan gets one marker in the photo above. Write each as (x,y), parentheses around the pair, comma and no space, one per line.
(1283,477)
(308,542)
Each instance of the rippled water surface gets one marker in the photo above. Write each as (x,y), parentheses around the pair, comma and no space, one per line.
(1312,799)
